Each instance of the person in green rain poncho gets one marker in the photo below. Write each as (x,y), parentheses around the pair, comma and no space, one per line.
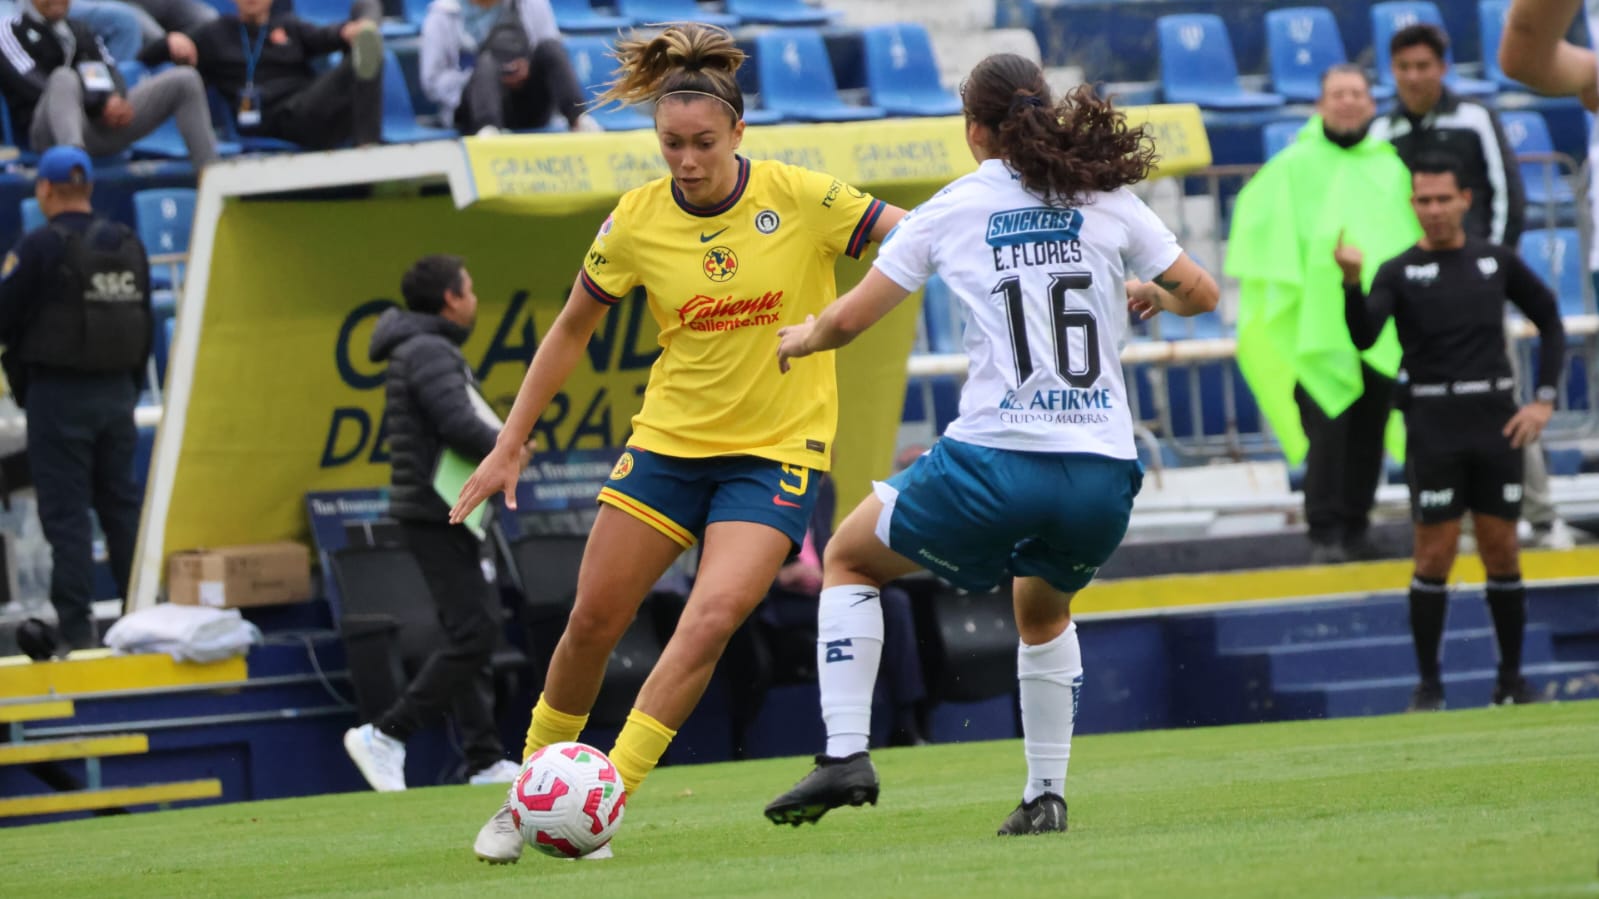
(1328,403)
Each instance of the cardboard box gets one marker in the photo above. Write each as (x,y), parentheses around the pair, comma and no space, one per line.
(232,577)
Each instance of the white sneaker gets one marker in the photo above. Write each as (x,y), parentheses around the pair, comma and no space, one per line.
(587,124)
(499,842)
(1556,536)
(598,855)
(503,771)
(380,757)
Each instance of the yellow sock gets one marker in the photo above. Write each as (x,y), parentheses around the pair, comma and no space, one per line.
(639,747)
(550,725)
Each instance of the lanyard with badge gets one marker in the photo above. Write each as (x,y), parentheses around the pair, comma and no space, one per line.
(250,98)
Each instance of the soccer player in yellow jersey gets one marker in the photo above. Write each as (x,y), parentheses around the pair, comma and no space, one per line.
(725,449)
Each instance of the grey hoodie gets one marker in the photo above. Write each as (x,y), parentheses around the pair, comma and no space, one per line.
(446,44)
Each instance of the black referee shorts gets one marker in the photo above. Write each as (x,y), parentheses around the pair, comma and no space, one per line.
(1445,483)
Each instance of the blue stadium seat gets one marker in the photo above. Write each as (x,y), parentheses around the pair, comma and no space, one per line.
(1388,18)
(1276,136)
(901,74)
(594,66)
(1197,65)
(1302,42)
(1557,256)
(399,116)
(796,78)
(164,218)
(577,16)
(1528,134)
(161,346)
(940,317)
(32,215)
(323,12)
(651,12)
(779,12)
(1491,27)
(1015,14)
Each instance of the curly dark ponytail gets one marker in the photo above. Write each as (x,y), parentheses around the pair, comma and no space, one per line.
(1061,149)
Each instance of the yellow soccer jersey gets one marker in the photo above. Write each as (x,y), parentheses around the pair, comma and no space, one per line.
(721,280)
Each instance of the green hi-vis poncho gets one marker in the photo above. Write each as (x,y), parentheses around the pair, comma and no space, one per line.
(1290,301)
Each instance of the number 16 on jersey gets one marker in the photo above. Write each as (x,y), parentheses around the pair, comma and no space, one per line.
(1074,333)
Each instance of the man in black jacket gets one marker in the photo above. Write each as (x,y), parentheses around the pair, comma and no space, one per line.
(433,404)
(63,87)
(261,64)
(1429,119)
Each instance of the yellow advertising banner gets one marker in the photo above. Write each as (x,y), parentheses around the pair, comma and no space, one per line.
(285,399)
(568,171)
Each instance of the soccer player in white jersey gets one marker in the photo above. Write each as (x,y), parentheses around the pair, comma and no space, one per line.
(1048,251)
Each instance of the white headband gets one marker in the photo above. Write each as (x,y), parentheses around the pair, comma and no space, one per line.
(703,94)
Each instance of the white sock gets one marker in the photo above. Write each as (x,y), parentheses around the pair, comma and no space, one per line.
(1051,676)
(849,645)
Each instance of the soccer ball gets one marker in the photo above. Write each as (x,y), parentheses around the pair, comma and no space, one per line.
(567,801)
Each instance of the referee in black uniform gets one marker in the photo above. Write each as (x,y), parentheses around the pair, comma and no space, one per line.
(1465,431)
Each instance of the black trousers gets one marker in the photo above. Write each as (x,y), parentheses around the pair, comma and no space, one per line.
(1344,464)
(337,108)
(81,439)
(452,679)
(551,87)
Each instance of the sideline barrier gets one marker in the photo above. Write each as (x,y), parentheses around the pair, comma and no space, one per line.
(271,393)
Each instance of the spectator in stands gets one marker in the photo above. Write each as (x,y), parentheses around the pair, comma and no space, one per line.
(1334,178)
(63,88)
(790,607)
(261,64)
(432,404)
(186,16)
(1464,430)
(75,320)
(1430,119)
(123,27)
(493,65)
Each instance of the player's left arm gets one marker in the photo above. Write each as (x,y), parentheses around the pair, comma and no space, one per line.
(1535,301)
(1535,52)
(843,321)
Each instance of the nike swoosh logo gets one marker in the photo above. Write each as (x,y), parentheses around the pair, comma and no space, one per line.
(707,238)
(778,500)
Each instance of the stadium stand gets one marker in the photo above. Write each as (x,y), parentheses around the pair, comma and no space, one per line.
(901,73)
(1543,175)
(1197,65)
(1388,18)
(1303,42)
(1278,135)
(1491,27)
(796,78)
(578,17)
(649,12)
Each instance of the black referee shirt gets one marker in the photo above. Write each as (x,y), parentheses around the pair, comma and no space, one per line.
(1449,307)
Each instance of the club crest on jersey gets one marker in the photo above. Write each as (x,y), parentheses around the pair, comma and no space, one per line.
(720,264)
(766,221)
(1424,274)
(624,467)
(1038,223)
(1487,265)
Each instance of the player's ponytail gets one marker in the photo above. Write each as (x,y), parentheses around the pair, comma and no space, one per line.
(1061,149)
(687,58)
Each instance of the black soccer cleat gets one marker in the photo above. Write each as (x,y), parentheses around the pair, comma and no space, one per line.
(1045,814)
(851,780)
(1427,697)
(1515,692)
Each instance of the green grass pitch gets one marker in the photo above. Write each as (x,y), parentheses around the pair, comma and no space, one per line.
(1483,803)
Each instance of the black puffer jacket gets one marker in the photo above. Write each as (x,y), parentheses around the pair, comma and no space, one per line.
(433,402)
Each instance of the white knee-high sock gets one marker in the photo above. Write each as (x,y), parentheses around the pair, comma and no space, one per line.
(849,645)
(1051,676)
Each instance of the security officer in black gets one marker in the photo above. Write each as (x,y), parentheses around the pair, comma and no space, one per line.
(75,320)
(1464,424)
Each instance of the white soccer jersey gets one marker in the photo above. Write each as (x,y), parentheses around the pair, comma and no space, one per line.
(1046,306)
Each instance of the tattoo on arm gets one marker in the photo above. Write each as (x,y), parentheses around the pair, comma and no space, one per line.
(1168,285)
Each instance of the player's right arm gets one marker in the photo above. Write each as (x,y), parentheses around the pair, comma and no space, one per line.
(1535,52)
(605,278)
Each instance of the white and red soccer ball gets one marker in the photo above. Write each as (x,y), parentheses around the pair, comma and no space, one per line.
(568,800)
